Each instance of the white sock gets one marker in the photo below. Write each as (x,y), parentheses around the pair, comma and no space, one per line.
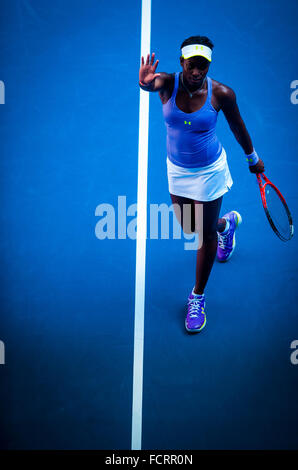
(197,295)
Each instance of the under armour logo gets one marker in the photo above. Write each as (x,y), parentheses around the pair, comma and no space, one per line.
(187,122)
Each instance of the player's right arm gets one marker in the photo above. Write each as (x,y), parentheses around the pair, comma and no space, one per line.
(148,79)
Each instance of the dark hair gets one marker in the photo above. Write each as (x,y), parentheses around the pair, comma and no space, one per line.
(198,40)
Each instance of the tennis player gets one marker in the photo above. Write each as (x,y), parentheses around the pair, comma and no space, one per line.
(197,167)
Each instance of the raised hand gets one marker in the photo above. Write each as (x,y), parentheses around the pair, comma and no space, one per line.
(147,71)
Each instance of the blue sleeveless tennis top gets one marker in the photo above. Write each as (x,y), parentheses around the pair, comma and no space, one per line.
(191,137)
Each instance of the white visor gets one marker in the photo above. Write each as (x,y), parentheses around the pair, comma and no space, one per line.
(196,49)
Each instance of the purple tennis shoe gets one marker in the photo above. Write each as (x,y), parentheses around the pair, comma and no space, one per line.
(196,317)
(227,241)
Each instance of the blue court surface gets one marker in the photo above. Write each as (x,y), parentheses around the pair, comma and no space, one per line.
(69,140)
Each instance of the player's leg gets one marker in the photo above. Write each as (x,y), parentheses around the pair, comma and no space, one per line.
(186,213)
(184,208)
(196,317)
(207,252)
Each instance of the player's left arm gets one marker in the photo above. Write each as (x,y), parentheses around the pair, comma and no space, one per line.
(227,101)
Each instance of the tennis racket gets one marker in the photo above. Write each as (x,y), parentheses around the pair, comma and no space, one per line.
(276,209)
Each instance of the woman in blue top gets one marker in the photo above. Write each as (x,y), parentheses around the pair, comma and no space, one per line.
(198,173)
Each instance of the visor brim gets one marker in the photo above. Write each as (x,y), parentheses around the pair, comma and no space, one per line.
(196,55)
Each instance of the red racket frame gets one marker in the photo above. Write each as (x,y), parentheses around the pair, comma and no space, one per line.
(262,187)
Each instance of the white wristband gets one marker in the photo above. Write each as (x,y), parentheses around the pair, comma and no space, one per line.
(252,158)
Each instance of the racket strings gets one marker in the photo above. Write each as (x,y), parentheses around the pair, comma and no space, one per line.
(278,212)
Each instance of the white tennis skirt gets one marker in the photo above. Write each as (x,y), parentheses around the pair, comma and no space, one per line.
(201,184)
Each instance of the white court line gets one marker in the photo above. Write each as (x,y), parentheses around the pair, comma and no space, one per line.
(137,399)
